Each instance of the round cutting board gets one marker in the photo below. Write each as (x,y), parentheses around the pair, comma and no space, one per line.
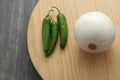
(72,63)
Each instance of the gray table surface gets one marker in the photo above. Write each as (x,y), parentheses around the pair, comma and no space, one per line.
(15,63)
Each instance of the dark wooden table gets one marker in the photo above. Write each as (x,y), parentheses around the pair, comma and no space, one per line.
(15,63)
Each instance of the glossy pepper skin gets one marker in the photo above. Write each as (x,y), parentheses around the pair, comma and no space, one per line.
(54,37)
(63,29)
(46,32)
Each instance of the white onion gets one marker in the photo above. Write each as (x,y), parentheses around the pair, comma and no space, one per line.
(94,32)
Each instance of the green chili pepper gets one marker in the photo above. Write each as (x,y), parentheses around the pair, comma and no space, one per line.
(62,22)
(54,37)
(46,32)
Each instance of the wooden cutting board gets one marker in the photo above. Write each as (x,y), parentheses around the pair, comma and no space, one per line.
(72,63)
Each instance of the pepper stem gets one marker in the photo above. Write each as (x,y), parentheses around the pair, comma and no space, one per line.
(48,15)
(50,11)
(56,9)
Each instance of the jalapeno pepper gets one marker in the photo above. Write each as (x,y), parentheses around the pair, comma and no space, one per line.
(54,37)
(46,32)
(63,29)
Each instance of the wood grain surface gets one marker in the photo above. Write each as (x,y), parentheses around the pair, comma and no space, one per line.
(15,63)
(72,63)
